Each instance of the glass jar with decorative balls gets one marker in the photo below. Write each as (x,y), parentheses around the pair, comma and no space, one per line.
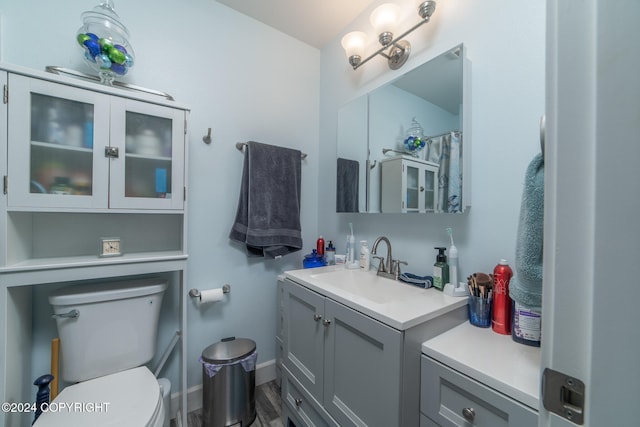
(414,139)
(105,42)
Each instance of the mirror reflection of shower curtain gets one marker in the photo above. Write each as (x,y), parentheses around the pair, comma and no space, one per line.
(446,150)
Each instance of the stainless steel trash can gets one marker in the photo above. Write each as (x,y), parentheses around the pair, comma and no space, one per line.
(229,383)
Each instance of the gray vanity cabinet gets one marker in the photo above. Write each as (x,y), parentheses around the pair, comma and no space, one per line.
(303,343)
(362,368)
(347,365)
(450,398)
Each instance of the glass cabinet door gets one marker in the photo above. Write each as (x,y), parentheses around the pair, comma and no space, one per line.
(53,130)
(148,172)
(413,187)
(430,187)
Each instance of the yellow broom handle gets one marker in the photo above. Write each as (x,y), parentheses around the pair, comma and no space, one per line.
(55,355)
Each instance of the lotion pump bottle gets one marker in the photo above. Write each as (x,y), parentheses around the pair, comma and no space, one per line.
(365,259)
(440,269)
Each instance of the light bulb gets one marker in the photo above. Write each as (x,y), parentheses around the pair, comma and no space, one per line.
(353,45)
(384,20)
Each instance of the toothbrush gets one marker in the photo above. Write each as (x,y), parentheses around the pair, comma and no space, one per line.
(453,261)
(450,232)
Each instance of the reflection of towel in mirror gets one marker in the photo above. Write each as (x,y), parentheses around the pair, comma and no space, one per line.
(347,188)
(526,287)
(268,214)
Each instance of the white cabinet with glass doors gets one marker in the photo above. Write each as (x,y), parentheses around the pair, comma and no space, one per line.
(408,184)
(70,147)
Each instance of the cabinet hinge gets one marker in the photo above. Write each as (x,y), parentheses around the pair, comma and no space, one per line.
(5,94)
(185,126)
(184,194)
(5,184)
(563,395)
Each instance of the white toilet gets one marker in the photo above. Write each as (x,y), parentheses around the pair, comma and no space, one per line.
(103,349)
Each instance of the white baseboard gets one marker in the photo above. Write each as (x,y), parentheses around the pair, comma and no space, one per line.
(265,372)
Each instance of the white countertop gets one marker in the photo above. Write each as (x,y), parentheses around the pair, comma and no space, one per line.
(492,359)
(394,303)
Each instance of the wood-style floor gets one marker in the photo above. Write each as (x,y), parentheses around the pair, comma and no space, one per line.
(268,408)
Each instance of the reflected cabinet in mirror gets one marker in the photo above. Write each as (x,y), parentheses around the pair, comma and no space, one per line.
(405,146)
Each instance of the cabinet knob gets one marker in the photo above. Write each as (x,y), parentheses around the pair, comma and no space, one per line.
(468,414)
(317,317)
(298,402)
(326,322)
(421,189)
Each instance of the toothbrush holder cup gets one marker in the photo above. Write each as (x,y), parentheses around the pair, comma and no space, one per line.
(480,311)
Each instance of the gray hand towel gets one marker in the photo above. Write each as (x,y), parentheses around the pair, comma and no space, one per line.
(526,287)
(268,215)
(347,189)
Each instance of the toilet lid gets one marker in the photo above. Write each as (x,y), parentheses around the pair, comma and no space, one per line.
(128,398)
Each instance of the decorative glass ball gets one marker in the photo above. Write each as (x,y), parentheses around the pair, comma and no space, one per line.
(414,140)
(105,42)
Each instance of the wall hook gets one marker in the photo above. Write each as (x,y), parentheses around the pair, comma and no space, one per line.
(207,137)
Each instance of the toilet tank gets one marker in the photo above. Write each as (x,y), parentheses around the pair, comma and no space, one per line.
(116,327)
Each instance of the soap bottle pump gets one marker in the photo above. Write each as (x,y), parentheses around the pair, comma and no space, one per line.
(440,269)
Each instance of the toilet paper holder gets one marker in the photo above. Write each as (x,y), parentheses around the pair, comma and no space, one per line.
(195,293)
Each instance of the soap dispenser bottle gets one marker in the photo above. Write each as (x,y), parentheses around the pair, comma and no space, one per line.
(365,260)
(440,269)
(330,254)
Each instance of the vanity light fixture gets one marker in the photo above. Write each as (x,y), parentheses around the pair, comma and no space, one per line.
(384,18)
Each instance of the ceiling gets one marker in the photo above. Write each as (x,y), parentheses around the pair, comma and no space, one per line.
(314,22)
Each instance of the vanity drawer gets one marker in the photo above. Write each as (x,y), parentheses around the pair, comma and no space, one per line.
(452,399)
(426,422)
(302,405)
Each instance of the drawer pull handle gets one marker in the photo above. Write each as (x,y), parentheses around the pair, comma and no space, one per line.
(317,317)
(468,414)
(326,322)
(298,402)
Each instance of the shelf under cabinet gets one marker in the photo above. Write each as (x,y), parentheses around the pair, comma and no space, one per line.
(64,147)
(53,240)
(93,260)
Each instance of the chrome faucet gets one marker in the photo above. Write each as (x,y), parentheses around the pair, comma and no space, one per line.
(390,269)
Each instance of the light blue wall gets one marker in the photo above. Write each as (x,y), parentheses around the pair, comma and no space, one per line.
(505,43)
(241,78)
(247,81)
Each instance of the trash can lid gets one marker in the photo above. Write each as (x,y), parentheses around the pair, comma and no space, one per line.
(228,350)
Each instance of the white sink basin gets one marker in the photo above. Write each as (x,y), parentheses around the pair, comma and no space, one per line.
(367,285)
(394,303)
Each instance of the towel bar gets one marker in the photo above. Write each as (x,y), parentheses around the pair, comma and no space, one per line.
(240,146)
